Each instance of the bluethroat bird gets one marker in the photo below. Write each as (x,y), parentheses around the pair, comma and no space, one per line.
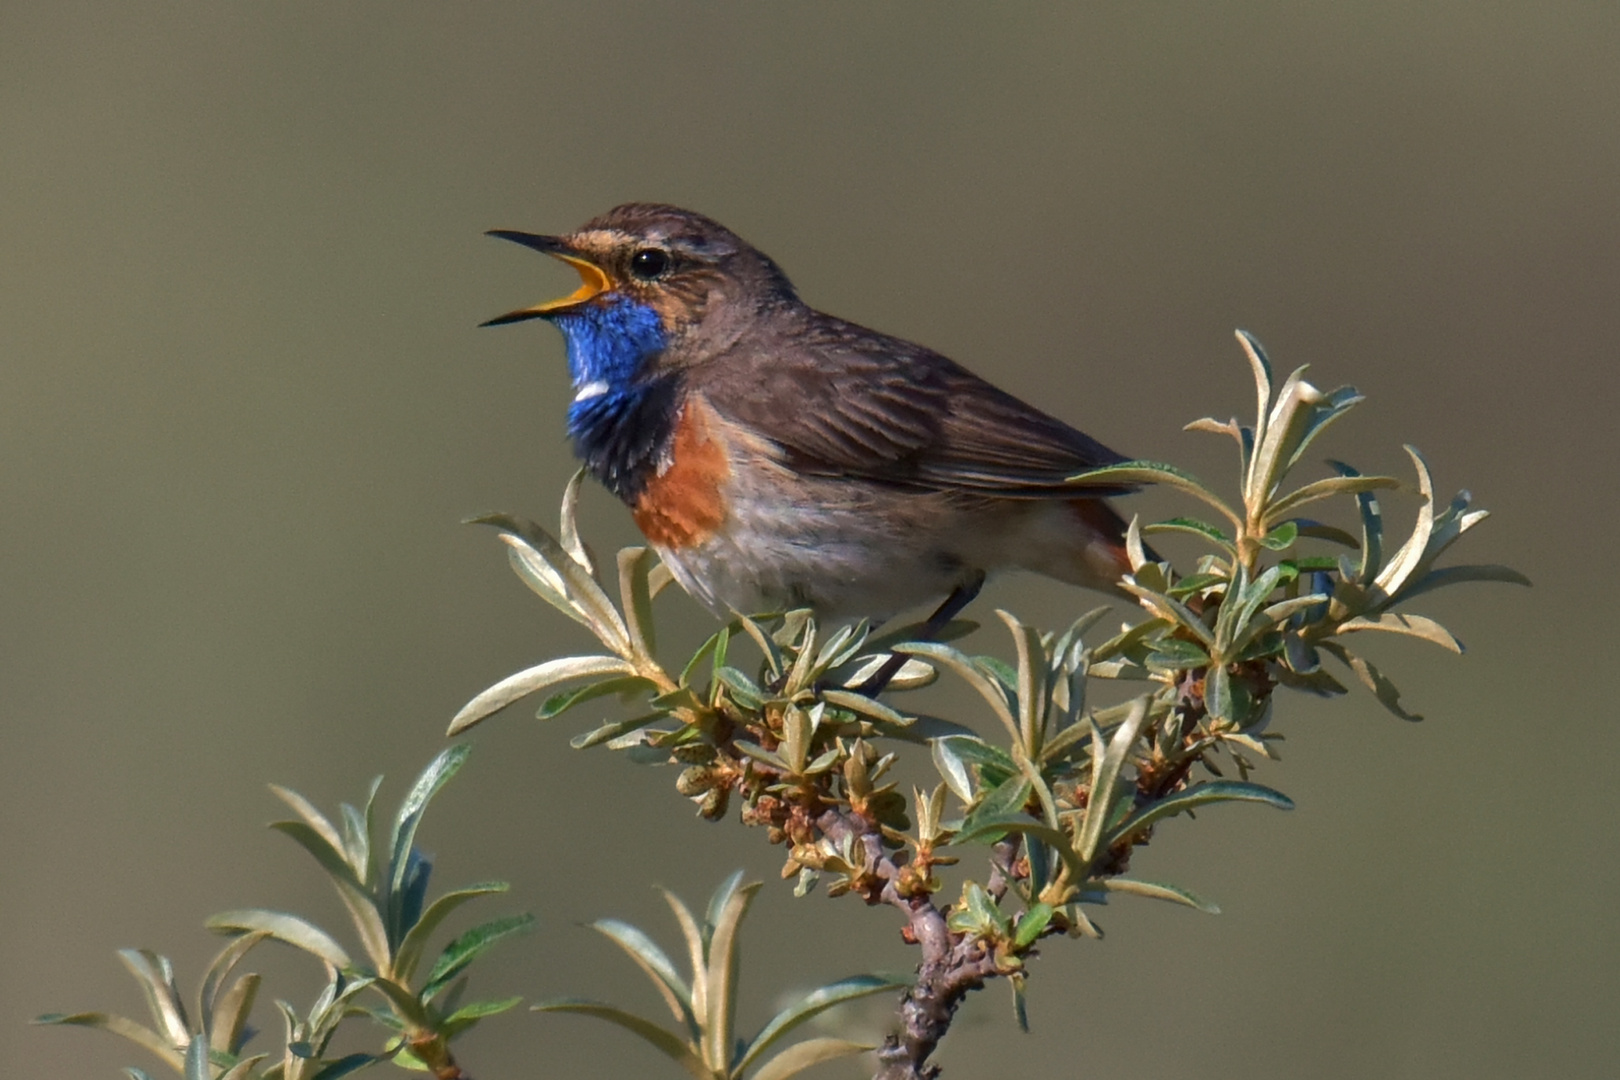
(778,457)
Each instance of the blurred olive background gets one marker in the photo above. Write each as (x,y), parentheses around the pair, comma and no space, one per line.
(243,406)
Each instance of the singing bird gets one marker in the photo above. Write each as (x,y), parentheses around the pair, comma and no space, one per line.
(779,457)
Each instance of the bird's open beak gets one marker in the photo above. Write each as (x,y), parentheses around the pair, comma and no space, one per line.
(593,282)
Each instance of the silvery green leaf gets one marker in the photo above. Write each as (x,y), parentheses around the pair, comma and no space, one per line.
(865,706)
(1260,365)
(988,688)
(774,662)
(468,946)
(1031,685)
(1153,472)
(953,769)
(1170,610)
(1411,625)
(742,688)
(1290,417)
(635,594)
(665,1042)
(1176,654)
(468,1015)
(728,908)
(1351,484)
(1032,924)
(1273,616)
(550,563)
(1193,527)
(312,816)
(290,929)
(810,1006)
(802,1055)
(402,837)
(139,1034)
(802,673)
(1191,798)
(357,901)
(416,939)
(1105,771)
(568,526)
(1155,891)
(1410,554)
(1004,801)
(1129,639)
(912,675)
(842,646)
(611,733)
(714,644)
(657,966)
(155,976)
(557,704)
(533,680)
(1281,537)
(1135,553)
(224,963)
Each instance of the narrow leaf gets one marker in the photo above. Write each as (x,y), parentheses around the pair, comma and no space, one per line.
(1411,625)
(139,1034)
(1155,891)
(368,922)
(468,947)
(656,964)
(1191,798)
(959,662)
(635,595)
(1152,472)
(289,929)
(1325,489)
(1105,779)
(534,679)
(568,525)
(666,1042)
(416,939)
(801,1056)
(810,1006)
(722,975)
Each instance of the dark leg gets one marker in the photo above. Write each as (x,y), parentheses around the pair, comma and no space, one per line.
(960,598)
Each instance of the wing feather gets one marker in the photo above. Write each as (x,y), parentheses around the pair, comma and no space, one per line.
(841,400)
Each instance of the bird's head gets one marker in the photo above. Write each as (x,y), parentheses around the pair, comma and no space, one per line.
(660,288)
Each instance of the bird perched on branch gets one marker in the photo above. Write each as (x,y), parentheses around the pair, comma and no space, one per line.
(779,457)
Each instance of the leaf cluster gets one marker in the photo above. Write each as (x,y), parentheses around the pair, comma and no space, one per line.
(704,1006)
(382,878)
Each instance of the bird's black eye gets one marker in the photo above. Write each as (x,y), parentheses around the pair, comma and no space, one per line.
(649,263)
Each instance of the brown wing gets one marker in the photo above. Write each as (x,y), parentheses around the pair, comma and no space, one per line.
(845,401)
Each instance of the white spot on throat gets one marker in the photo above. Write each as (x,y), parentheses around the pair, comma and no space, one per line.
(594,388)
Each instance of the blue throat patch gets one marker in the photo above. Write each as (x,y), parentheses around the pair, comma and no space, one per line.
(622,425)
